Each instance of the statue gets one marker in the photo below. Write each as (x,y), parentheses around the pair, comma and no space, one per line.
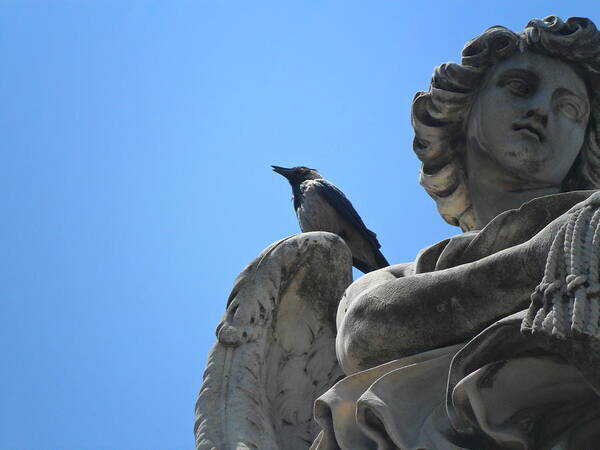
(490,339)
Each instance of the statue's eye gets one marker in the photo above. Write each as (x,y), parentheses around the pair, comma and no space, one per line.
(570,105)
(518,87)
(570,110)
(519,82)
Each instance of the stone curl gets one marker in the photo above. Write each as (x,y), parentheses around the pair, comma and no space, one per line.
(439,116)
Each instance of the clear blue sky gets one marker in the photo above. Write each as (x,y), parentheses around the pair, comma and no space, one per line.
(136,139)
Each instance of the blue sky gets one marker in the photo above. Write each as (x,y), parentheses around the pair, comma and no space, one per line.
(136,143)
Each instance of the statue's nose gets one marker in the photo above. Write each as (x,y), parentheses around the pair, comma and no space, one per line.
(539,107)
(538,114)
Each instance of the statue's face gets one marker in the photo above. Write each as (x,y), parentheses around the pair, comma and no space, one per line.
(530,118)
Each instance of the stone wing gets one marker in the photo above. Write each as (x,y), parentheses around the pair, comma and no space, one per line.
(275,352)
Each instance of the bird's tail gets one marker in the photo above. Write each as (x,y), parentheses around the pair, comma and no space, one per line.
(379,263)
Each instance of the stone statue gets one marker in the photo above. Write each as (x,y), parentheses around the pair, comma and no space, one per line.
(490,339)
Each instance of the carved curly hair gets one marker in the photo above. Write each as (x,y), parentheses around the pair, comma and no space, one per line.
(439,116)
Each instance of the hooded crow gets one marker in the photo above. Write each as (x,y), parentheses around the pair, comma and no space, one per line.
(321,206)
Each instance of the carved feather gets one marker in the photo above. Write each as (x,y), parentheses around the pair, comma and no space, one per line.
(276,347)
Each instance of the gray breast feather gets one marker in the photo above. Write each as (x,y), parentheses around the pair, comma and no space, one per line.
(315,213)
(325,208)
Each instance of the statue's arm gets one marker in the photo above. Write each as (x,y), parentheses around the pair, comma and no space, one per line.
(395,317)
(370,281)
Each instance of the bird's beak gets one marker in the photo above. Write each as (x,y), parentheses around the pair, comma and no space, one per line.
(282,171)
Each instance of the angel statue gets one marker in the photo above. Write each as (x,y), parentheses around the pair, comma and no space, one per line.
(489,339)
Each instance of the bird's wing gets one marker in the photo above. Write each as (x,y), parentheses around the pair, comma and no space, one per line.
(342,205)
(275,352)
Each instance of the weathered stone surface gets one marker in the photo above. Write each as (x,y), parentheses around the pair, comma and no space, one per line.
(453,381)
(275,352)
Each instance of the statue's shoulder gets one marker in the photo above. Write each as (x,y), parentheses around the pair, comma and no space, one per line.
(508,229)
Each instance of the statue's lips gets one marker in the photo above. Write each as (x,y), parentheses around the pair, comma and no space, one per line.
(530,130)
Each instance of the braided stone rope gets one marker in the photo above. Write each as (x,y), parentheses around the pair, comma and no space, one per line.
(567,301)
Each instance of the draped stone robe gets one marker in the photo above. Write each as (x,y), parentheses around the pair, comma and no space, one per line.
(502,389)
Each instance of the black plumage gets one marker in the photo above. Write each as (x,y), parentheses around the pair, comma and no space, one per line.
(321,206)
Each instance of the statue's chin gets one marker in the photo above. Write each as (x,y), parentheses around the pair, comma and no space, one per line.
(526,160)
(518,157)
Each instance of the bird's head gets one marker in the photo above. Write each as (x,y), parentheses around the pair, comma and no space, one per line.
(297,175)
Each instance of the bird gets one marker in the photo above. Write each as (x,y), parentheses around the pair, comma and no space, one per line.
(321,206)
